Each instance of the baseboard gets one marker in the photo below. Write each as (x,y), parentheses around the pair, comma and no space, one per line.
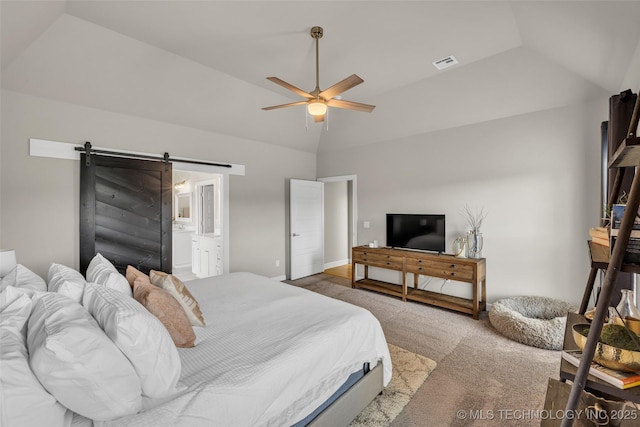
(337,263)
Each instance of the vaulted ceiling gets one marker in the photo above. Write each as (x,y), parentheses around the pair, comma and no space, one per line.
(203,64)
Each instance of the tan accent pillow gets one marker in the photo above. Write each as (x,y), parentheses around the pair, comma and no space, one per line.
(180,292)
(167,309)
(133,273)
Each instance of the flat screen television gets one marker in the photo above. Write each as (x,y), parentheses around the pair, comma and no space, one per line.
(416,231)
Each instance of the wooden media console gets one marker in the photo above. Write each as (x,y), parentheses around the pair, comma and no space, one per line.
(467,270)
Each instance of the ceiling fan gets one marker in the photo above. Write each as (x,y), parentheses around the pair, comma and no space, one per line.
(317,101)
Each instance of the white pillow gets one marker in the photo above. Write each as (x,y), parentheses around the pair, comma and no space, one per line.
(102,272)
(77,363)
(66,281)
(9,279)
(9,295)
(23,400)
(139,335)
(22,277)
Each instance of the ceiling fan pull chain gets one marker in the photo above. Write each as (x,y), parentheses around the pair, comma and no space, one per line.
(326,119)
(306,120)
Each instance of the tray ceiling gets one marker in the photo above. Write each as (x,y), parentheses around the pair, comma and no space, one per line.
(203,64)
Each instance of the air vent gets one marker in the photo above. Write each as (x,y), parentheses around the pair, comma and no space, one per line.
(447,62)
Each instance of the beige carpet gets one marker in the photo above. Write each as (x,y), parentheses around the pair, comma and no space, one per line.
(479,369)
(410,370)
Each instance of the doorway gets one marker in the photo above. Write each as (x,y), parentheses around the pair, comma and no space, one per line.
(200,241)
(340,233)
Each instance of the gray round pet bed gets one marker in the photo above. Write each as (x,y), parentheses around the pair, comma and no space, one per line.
(535,321)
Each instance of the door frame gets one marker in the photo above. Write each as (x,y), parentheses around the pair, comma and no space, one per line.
(224,200)
(353,202)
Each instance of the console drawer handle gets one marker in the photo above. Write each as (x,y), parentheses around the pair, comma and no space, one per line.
(454,266)
(453,274)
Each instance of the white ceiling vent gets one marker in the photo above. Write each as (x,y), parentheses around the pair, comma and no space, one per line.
(447,62)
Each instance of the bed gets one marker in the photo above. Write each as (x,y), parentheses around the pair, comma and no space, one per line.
(271,354)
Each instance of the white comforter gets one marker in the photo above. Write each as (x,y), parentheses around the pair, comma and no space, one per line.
(270,354)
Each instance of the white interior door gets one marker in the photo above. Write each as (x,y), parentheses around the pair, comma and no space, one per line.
(306,199)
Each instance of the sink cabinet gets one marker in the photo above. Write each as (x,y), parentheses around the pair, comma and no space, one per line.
(206,255)
(181,249)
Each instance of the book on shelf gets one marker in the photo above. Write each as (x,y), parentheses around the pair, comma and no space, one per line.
(632,254)
(634,233)
(601,242)
(602,232)
(617,212)
(619,379)
(600,236)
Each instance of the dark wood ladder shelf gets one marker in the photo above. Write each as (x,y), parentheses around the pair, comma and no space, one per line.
(627,155)
(600,258)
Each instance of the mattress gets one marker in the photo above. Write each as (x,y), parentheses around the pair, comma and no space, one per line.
(270,354)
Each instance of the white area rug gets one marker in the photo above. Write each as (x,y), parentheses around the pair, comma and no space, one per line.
(410,370)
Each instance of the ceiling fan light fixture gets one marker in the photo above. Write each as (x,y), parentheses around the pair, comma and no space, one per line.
(318,101)
(316,107)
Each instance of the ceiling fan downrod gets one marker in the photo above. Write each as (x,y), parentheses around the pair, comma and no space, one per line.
(316,33)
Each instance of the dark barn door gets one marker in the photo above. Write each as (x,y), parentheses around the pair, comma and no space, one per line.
(125,212)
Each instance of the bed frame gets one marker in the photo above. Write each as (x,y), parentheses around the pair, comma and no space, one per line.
(349,404)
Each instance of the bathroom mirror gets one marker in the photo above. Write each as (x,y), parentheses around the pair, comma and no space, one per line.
(183,207)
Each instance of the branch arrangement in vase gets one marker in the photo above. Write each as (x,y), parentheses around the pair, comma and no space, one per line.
(474,219)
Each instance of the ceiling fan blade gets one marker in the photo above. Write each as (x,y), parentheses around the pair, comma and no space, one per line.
(342,86)
(290,87)
(291,104)
(350,105)
(318,119)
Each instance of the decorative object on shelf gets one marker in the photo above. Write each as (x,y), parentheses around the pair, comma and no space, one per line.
(474,236)
(626,312)
(474,244)
(459,247)
(627,307)
(608,355)
(474,218)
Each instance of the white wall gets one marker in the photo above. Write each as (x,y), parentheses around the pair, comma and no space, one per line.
(632,77)
(536,175)
(39,197)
